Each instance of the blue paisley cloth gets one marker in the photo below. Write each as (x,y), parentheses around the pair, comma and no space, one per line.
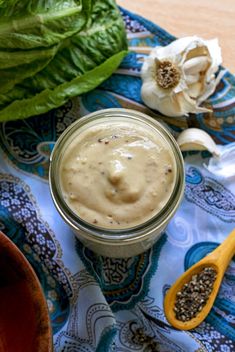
(106,304)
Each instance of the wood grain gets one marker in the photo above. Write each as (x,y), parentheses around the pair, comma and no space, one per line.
(205,18)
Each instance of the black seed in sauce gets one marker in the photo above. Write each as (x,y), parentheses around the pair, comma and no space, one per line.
(168,169)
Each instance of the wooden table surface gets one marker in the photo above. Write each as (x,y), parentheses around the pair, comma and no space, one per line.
(205,18)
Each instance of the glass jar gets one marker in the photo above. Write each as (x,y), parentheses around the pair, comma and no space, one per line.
(125,242)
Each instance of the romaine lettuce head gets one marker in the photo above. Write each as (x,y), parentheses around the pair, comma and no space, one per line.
(53,50)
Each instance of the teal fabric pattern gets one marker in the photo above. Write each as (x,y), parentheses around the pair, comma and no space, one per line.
(112,304)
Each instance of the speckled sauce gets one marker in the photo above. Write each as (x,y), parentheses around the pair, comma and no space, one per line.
(117,175)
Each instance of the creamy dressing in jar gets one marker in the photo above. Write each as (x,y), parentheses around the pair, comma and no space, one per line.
(117,174)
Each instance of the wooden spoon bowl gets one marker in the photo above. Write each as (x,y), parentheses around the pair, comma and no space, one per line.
(218,260)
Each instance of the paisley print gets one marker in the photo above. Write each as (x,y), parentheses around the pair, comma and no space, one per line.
(120,84)
(219,123)
(210,195)
(99,99)
(131,23)
(124,281)
(21,221)
(132,63)
(90,325)
(212,339)
(28,143)
(138,24)
(146,330)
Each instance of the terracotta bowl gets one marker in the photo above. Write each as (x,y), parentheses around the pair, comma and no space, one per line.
(24,318)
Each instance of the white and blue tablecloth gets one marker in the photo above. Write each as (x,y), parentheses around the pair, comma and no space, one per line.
(104,304)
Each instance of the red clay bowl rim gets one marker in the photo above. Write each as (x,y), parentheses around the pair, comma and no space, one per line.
(45,343)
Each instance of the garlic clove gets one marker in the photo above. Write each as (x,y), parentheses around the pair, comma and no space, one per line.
(190,79)
(186,103)
(167,105)
(195,89)
(196,65)
(197,139)
(189,104)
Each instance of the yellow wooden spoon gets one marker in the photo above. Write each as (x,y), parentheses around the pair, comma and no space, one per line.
(219,260)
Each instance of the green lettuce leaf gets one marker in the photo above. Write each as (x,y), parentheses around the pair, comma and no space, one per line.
(49,99)
(49,48)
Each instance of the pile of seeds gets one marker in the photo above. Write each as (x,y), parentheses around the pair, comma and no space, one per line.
(141,338)
(194,294)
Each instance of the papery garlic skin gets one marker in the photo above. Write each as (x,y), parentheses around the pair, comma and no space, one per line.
(189,65)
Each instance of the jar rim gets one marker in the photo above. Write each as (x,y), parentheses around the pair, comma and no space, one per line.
(129,233)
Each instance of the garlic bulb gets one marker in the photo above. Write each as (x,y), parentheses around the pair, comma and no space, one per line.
(177,78)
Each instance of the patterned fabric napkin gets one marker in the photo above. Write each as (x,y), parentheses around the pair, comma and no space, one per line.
(104,304)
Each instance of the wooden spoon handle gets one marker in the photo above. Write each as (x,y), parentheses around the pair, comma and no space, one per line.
(223,254)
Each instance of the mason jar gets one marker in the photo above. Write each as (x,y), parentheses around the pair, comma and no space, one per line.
(116,242)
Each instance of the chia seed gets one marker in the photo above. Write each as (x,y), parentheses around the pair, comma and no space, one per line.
(168,169)
(194,294)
